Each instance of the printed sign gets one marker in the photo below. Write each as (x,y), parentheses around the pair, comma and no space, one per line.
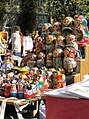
(3,42)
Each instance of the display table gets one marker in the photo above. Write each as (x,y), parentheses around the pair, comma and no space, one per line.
(12,106)
(64,108)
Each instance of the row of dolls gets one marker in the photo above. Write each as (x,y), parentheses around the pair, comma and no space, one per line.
(61,44)
(58,55)
(24,83)
(76,26)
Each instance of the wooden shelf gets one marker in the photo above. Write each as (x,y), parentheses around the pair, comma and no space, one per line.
(81,67)
(87,58)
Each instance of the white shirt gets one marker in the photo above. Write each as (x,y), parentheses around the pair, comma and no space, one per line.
(28,43)
(16,42)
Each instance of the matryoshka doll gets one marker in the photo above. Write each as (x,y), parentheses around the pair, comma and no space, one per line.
(41,82)
(56,28)
(68,22)
(50,43)
(71,41)
(27,89)
(57,58)
(49,60)
(56,80)
(46,28)
(38,44)
(7,89)
(20,87)
(81,29)
(41,60)
(69,61)
(68,25)
(7,63)
(13,90)
(59,42)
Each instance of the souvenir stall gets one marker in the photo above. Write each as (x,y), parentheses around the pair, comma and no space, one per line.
(58,58)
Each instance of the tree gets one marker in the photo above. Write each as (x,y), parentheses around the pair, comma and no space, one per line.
(27,16)
(63,8)
(2,12)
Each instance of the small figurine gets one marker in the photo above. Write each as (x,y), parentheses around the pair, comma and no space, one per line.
(69,61)
(20,88)
(71,41)
(60,42)
(56,80)
(47,28)
(41,60)
(7,89)
(50,43)
(38,46)
(7,63)
(57,58)
(49,60)
(56,28)
(13,89)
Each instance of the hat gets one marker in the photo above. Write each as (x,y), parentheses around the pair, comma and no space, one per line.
(15,68)
(23,69)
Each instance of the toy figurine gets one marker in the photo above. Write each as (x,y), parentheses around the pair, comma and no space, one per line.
(81,29)
(13,90)
(38,44)
(68,22)
(71,41)
(57,58)
(68,25)
(46,28)
(55,80)
(20,88)
(56,28)
(7,89)
(60,42)
(41,59)
(69,61)
(7,63)
(50,43)
(49,60)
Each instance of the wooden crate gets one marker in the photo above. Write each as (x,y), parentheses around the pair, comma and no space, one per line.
(76,77)
(87,58)
(81,67)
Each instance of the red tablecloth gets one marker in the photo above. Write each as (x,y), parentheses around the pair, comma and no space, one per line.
(61,108)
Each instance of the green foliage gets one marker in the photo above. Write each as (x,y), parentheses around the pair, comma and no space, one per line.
(2,10)
(63,8)
(27,16)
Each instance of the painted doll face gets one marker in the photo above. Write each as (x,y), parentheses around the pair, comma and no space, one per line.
(55,28)
(55,73)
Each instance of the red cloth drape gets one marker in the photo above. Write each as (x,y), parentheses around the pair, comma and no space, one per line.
(61,108)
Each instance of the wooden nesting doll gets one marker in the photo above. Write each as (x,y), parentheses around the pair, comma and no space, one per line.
(59,42)
(81,29)
(69,61)
(57,58)
(49,60)
(20,88)
(38,44)
(13,90)
(71,41)
(50,43)
(56,28)
(41,60)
